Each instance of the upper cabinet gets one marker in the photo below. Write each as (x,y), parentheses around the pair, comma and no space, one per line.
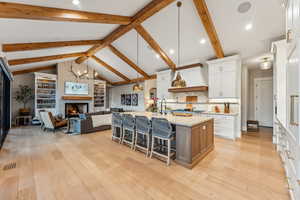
(224,77)
(292,23)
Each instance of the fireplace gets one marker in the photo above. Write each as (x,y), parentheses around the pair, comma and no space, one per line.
(73,109)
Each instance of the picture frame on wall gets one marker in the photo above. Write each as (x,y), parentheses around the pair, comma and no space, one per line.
(135,99)
(123,99)
(128,99)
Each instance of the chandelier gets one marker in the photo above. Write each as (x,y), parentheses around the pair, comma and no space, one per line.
(83,74)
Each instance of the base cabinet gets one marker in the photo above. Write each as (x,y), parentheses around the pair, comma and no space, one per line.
(194,143)
(224,125)
(289,151)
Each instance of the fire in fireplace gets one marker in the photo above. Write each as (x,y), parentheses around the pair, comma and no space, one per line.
(73,109)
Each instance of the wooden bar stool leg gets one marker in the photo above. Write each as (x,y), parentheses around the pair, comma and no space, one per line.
(169,151)
(148,144)
(132,139)
(123,135)
(152,147)
(135,143)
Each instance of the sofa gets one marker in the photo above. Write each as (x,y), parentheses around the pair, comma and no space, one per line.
(88,125)
(116,109)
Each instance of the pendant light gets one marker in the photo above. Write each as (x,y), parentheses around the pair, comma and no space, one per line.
(137,87)
(178,82)
(266,64)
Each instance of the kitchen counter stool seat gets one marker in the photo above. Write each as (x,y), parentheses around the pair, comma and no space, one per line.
(128,129)
(163,132)
(117,127)
(143,134)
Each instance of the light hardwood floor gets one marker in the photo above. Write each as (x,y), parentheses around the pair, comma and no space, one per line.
(57,166)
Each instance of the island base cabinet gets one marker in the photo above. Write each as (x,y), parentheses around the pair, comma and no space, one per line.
(194,143)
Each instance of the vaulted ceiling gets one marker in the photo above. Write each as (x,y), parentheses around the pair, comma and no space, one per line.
(267,18)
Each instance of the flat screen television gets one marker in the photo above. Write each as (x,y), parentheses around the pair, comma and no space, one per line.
(76,88)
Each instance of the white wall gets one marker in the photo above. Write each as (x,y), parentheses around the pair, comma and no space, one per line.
(244,97)
(144,96)
(253,74)
(1,53)
(115,98)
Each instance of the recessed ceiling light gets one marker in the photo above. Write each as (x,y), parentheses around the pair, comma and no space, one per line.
(76,2)
(157,56)
(171,51)
(244,7)
(203,41)
(249,26)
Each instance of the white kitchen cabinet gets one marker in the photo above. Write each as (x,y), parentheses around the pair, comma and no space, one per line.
(164,79)
(224,125)
(224,77)
(289,149)
(292,23)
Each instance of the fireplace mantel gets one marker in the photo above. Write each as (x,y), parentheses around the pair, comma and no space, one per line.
(77,98)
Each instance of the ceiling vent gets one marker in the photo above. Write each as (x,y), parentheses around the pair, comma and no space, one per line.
(244,7)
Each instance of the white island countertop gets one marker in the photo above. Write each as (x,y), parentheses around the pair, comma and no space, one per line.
(178,120)
(219,113)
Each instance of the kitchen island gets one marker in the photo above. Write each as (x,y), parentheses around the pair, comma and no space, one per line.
(194,136)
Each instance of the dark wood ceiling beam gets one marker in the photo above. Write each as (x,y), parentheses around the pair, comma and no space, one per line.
(155,46)
(45,45)
(209,27)
(110,68)
(149,10)
(43,58)
(128,61)
(133,80)
(36,69)
(24,11)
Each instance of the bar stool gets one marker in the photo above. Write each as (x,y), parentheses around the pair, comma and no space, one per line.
(128,129)
(117,125)
(143,129)
(162,130)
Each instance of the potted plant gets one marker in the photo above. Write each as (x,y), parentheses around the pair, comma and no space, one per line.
(24,95)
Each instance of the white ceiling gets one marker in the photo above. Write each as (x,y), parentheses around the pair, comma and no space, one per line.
(267,18)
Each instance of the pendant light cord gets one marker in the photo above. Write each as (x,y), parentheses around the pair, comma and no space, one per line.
(178,39)
(137,51)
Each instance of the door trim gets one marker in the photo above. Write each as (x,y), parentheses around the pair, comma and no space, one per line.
(255,92)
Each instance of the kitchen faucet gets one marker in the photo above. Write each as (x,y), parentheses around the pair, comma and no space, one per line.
(161,106)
